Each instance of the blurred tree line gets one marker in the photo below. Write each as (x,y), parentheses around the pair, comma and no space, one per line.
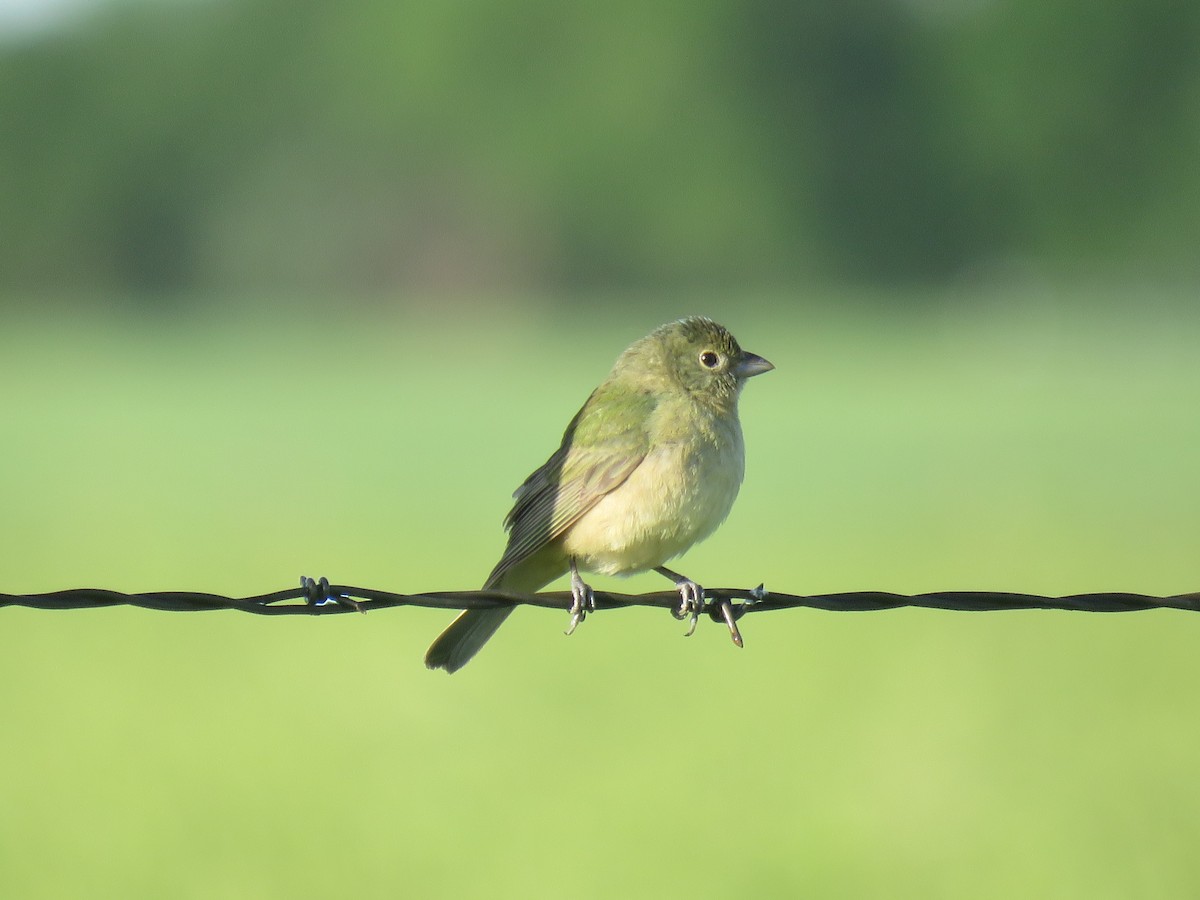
(226,144)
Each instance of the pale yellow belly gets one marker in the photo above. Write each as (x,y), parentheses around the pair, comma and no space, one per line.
(675,498)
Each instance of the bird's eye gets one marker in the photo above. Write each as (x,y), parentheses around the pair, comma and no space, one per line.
(709,359)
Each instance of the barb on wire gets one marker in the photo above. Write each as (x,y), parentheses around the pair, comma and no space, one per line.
(724,605)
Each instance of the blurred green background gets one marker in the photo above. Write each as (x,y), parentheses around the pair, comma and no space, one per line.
(299,288)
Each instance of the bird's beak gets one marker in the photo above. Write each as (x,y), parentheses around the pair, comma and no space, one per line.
(750,364)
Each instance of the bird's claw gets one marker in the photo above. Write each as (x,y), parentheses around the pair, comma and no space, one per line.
(691,603)
(691,598)
(583,600)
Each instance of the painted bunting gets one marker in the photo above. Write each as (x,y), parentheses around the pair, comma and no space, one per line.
(649,466)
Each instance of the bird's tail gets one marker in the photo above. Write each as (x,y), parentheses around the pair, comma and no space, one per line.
(473,628)
(456,645)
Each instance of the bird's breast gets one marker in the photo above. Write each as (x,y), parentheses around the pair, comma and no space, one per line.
(678,495)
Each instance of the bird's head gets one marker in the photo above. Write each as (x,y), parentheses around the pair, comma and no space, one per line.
(706,360)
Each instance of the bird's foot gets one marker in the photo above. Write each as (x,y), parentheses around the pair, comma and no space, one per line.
(583,599)
(691,603)
(691,598)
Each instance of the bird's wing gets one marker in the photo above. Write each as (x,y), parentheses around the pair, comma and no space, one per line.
(605,442)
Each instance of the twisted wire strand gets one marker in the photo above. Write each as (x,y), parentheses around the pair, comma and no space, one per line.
(319,597)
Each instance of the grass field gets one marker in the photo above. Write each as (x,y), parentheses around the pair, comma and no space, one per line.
(1046,444)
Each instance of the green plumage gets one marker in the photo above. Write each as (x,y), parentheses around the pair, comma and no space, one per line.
(649,465)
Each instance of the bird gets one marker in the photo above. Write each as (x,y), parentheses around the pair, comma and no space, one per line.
(650,465)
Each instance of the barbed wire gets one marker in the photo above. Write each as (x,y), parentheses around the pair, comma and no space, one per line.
(726,605)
